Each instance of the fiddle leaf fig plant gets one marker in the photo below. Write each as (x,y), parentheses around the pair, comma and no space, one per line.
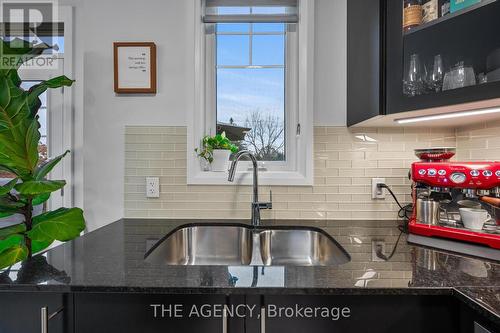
(211,143)
(19,156)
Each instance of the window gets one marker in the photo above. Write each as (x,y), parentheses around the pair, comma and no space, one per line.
(247,75)
(250,86)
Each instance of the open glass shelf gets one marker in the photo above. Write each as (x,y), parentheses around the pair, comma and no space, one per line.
(456,52)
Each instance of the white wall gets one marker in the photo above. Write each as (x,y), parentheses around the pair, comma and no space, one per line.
(101,116)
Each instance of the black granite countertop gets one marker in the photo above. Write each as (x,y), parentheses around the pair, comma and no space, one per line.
(111,260)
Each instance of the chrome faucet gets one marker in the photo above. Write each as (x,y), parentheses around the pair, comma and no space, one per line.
(256,205)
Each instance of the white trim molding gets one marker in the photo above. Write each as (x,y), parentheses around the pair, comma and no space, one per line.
(303,106)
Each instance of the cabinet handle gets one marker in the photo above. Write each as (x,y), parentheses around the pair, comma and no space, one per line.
(262,320)
(45,317)
(224,320)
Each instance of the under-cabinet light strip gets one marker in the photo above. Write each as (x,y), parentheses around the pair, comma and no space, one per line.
(447,115)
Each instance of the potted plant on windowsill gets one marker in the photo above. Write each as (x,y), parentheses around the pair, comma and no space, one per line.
(19,157)
(216,150)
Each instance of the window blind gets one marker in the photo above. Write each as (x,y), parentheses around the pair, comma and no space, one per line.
(253,11)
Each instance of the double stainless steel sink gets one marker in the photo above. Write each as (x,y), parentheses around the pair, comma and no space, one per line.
(244,245)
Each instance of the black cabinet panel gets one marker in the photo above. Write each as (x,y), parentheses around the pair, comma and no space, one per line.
(132,313)
(364,47)
(378,57)
(135,312)
(20,312)
(470,319)
(384,314)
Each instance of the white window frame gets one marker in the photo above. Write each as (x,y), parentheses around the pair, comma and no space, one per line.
(298,170)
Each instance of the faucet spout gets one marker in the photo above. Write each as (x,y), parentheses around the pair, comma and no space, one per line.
(256,205)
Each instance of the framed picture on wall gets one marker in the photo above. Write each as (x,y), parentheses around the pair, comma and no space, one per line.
(135,67)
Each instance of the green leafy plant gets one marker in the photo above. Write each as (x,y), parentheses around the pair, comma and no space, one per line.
(210,143)
(19,156)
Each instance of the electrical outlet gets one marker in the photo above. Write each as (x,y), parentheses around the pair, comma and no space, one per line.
(378,193)
(378,247)
(152,187)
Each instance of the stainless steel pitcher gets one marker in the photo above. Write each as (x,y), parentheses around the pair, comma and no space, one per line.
(428,211)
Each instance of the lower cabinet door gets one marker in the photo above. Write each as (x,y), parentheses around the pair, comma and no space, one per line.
(374,314)
(21,312)
(148,313)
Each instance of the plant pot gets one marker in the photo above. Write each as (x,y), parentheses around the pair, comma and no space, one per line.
(221,160)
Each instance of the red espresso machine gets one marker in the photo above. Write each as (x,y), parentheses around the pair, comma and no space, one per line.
(444,192)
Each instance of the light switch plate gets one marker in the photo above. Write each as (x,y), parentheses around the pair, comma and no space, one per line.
(378,193)
(152,187)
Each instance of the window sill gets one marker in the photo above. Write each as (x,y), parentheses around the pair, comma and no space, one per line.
(276,178)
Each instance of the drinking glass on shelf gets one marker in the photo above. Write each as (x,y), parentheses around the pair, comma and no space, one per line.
(435,81)
(413,83)
(459,76)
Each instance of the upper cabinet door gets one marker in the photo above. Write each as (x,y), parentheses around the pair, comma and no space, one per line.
(364,80)
(439,56)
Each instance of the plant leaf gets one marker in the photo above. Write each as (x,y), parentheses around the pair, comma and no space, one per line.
(37,246)
(13,104)
(8,205)
(12,255)
(37,187)
(40,199)
(11,241)
(63,224)
(47,166)
(35,91)
(8,187)
(5,214)
(19,147)
(12,230)
(7,169)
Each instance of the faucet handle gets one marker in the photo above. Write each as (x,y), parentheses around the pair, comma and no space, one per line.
(268,205)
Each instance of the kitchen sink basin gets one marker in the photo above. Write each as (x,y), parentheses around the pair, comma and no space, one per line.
(244,245)
(300,247)
(204,245)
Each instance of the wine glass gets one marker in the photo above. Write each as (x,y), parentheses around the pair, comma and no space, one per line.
(413,84)
(435,82)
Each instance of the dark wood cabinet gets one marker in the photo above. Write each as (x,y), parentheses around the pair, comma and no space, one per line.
(20,312)
(380,58)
